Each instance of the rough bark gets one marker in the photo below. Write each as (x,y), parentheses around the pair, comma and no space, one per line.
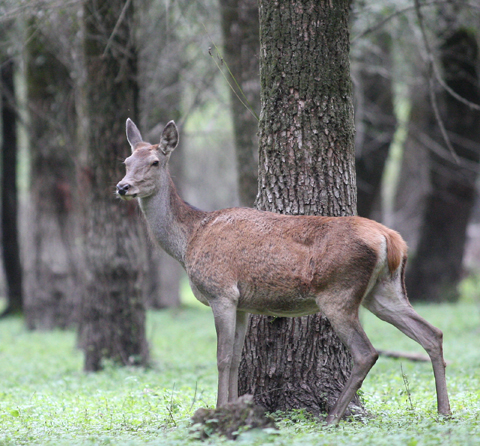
(51,266)
(437,267)
(112,322)
(307,167)
(375,122)
(10,239)
(241,44)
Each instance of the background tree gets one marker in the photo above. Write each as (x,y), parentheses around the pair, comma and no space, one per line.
(160,63)
(9,210)
(51,266)
(437,267)
(306,167)
(375,119)
(112,321)
(241,45)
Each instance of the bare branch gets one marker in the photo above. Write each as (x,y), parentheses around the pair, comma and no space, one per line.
(115,29)
(387,19)
(57,4)
(431,86)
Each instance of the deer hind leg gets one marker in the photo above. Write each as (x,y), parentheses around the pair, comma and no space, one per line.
(347,327)
(389,302)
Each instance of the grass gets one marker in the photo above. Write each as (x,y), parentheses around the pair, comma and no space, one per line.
(46,399)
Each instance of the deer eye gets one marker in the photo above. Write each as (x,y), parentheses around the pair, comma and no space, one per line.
(155,163)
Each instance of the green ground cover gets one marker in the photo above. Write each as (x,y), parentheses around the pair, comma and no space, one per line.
(46,399)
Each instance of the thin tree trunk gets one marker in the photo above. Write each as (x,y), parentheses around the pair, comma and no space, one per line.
(241,42)
(437,267)
(112,322)
(160,67)
(413,183)
(10,240)
(307,167)
(376,122)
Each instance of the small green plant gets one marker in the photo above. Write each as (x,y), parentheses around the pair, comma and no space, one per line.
(407,389)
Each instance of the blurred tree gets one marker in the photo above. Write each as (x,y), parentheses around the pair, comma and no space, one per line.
(307,166)
(437,266)
(413,182)
(241,42)
(112,324)
(375,119)
(51,266)
(161,63)
(10,239)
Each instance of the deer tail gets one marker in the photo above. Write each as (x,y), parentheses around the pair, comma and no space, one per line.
(396,250)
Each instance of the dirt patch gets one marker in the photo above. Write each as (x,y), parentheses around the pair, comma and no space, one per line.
(232,419)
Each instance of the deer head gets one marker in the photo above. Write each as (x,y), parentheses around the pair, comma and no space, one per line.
(148,163)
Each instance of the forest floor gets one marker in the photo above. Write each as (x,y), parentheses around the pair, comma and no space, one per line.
(46,399)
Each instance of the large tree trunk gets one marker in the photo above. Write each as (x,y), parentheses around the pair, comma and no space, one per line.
(112,322)
(51,266)
(375,122)
(241,42)
(306,167)
(436,269)
(10,241)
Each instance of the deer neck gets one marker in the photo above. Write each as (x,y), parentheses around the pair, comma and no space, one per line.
(170,219)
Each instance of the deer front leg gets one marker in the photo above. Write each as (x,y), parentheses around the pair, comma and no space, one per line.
(225,314)
(240,330)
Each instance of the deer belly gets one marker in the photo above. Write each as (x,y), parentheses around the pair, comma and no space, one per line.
(260,301)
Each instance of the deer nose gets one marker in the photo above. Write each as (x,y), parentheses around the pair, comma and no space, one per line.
(122,188)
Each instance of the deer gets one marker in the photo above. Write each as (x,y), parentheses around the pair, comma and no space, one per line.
(242,260)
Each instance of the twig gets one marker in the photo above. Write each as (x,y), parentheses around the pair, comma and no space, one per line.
(245,102)
(418,357)
(404,355)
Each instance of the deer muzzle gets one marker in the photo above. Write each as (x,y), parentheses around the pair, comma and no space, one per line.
(125,191)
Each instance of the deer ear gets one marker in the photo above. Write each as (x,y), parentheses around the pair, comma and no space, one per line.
(169,139)
(133,134)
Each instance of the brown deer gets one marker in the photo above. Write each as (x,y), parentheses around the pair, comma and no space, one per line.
(242,260)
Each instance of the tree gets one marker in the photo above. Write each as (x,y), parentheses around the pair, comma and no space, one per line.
(161,62)
(375,119)
(241,42)
(112,321)
(10,239)
(413,182)
(51,266)
(437,266)
(306,163)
